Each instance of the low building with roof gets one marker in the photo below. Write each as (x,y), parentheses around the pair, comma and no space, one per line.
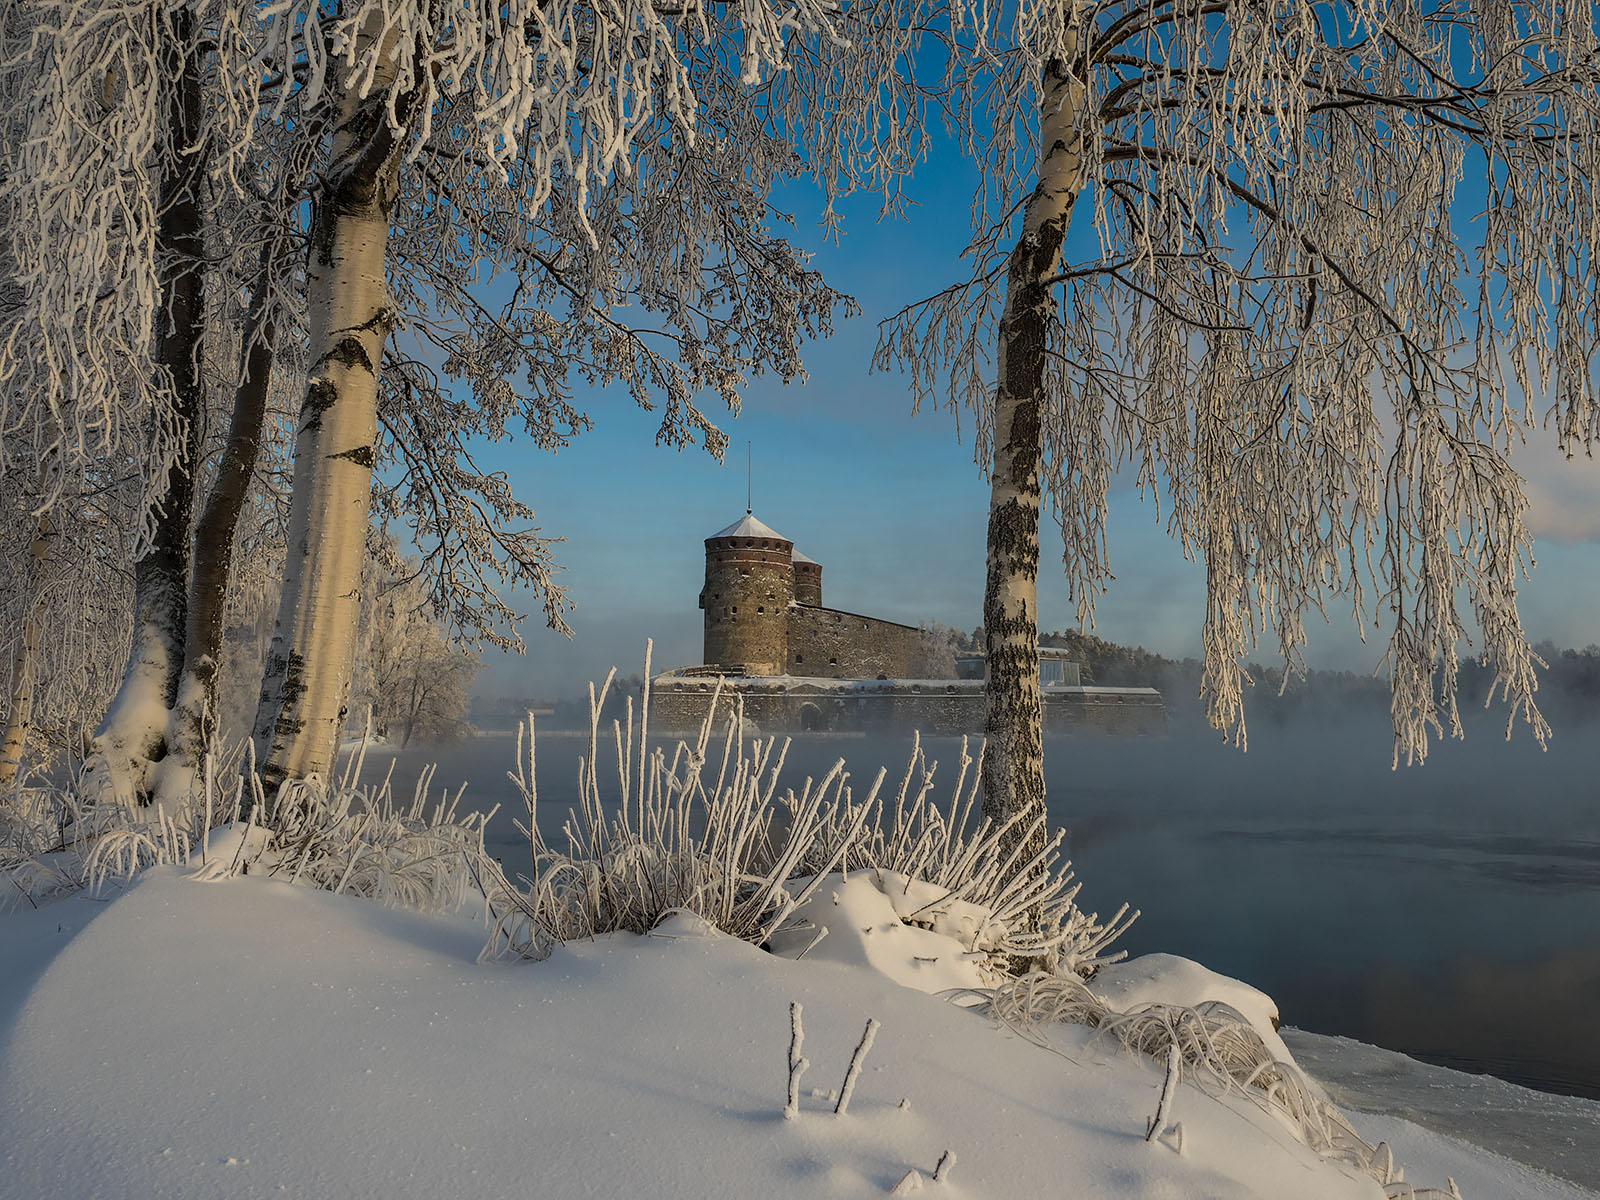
(799,665)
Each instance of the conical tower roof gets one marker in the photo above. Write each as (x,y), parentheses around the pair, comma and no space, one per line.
(749,526)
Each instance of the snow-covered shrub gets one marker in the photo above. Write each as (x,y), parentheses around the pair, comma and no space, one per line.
(33,815)
(1221,1053)
(674,842)
(364,841)
(961,875)
(52,841)
(744,855)
(345,837)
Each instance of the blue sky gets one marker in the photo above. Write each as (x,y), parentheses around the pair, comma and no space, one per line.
(890,503)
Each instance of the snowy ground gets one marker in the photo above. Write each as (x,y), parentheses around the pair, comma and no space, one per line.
(249,1038)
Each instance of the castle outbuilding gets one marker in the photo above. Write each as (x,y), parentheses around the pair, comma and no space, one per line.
(765,616)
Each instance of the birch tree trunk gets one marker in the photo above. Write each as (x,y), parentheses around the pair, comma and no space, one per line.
(1013,762)
(24,671)
(133,735)
(194,721)
(306,688)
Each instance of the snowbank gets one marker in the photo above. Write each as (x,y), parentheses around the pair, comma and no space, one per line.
(249,1038)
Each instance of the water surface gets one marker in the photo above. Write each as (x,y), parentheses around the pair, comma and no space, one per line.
(1451,912)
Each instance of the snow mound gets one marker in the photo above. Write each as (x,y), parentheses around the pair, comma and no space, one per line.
(1183,983)
(909,931)
(271,1040)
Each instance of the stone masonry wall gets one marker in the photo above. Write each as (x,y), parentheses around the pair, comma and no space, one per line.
(825,643)
(936,707)
(746,599)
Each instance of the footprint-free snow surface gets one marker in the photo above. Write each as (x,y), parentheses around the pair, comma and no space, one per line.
(249,1038)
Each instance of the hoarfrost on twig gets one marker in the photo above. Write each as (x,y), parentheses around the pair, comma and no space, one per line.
(856,1059)
(1168,1087)
(797,1064)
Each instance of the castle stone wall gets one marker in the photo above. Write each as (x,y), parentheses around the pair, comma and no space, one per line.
(936,706)
(826,643)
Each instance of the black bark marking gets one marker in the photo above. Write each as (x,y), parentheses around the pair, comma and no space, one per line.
(1014,539)
(379,322)
(349,352)
(362,456)
(320,397)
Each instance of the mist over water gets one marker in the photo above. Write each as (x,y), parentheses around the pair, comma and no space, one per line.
(1450,911)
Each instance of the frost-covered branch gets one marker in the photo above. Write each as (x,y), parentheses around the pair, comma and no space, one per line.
(1345,263)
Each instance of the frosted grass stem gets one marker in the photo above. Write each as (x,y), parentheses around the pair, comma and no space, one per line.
(854,1071)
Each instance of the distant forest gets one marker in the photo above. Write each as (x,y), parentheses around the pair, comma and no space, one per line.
(1569,687)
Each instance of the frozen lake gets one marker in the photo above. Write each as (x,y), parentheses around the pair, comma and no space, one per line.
(1451,912)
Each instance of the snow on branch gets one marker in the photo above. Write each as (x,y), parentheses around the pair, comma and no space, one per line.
(1343,262)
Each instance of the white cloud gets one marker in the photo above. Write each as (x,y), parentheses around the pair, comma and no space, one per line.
(1564,494)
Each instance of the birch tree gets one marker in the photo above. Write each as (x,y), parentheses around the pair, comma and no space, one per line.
(25,661)
(1336,262)
(561,109)
(124,123)
(521,129)
(65,609)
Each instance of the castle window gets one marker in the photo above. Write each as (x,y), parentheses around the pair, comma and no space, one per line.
(761,608)
(799,658)
(735,608)
(833,662)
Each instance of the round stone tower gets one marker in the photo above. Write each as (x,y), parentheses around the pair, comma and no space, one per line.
(807,580)
(749,584)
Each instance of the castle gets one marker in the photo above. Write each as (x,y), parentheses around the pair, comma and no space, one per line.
(797,665)
(764,615)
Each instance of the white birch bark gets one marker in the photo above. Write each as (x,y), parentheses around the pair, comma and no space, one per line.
(1319,318)
(24,672)
(306,689)
(1013,762)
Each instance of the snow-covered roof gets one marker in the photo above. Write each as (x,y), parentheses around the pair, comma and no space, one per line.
(804,558)
(749,526)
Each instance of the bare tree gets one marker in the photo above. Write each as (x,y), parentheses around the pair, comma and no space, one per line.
(413,681)
(1336,261)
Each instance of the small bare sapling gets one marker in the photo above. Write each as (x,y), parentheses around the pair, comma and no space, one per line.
(1168,1088)
(797,1065)
(910,1182)
(942,1171)
(856,1059)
